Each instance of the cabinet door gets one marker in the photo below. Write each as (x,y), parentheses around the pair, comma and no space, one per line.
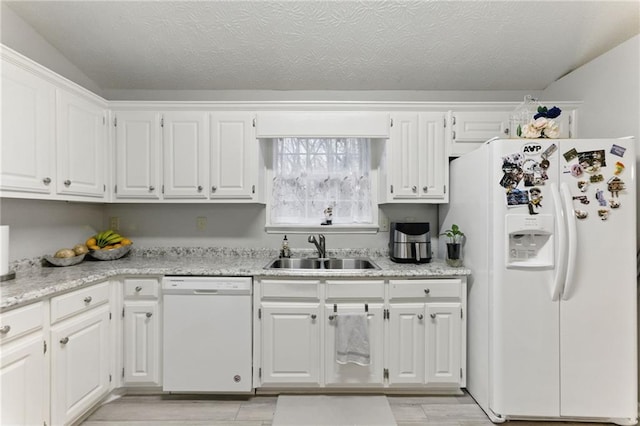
(432,171)
(185,155)
(351,374)
(141,343)
(79,364)
(28,111)
(444,343)
(81,149)
(470,129)
(291,343)
(137,154)
(234,155)
(23,382)
(403,160)
(406,343)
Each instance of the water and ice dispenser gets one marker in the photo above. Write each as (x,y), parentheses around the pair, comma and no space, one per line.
(529,241)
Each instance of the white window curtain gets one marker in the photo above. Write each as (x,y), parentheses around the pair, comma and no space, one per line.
(312,174)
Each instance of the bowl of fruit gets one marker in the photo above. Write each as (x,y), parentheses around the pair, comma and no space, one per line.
(108,245)
(68,257)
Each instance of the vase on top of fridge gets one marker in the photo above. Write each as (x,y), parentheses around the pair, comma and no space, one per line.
(552,301)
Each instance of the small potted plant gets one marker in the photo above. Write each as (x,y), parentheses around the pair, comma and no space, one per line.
(454,246)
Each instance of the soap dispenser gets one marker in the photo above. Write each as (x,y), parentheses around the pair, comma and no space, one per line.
(285,251)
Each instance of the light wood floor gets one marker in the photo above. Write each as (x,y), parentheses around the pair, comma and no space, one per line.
(258,411)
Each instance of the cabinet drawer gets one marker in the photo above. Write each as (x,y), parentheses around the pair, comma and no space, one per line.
(399,289)
(21,321)
(355,289)
(290,289)
(138,288)
(78,301)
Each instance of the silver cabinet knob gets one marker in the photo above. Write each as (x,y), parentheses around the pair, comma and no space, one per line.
(414,188)
(152,188)
(313,316)
(88,299)
(420,316)
(64,341)
(425,189)
(331,317)
(433,316)
(138,289)
(46,180)
(5,329)
(67,182)
(506,131)
(214,188)
(149,314)
(200,188)
(427,291)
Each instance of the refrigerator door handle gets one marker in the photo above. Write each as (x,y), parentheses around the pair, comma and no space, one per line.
(561,234)
(572,233)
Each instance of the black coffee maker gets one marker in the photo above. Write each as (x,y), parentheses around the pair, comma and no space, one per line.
(410,242)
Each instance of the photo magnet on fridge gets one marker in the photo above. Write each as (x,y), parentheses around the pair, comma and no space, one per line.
(570,155)
(618,150)
(517,197)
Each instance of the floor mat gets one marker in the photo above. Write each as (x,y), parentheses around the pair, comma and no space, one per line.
(335,410)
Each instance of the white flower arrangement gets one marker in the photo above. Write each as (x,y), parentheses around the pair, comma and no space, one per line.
(541,128)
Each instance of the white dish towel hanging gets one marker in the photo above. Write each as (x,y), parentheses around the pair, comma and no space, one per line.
(352,339)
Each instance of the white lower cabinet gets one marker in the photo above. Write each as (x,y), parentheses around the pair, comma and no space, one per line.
(142,331)
(80,352)
(291,343)
(24,378)
(416,331)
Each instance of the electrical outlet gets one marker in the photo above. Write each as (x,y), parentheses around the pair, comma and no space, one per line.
(114,223)
(201,223)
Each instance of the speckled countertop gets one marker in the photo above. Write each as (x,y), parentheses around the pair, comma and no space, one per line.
(35,282)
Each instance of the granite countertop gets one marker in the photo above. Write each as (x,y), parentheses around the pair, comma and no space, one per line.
(35,282)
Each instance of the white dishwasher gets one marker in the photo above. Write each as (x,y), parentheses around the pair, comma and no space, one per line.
(207,334)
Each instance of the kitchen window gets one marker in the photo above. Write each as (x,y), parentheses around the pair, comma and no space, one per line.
(321,180)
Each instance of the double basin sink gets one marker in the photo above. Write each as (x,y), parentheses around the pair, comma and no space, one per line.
(321,263)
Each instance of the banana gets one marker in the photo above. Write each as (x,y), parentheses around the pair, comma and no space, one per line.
(114,239)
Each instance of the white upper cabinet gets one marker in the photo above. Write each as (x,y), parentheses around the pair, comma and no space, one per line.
(234,155)
(185,154)
(416,165)
(469,129)
(28,128)
(137,154)
(81,146)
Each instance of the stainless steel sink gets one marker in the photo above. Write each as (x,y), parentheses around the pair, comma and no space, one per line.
(318,263)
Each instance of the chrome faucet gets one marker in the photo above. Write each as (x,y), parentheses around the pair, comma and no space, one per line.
(320,246)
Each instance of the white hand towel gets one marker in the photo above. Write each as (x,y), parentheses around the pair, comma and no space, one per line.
(352,339)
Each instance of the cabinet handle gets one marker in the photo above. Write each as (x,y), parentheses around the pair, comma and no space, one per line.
(152,188)
(46,180)
(433,316)
(313,316)
(427,291)
(5,329)
(331,317)
(88,299)
(64,340)
(199,188)
(214,188)
(138,289)
(425,189)
(149,314)
(414,188)
(420,316)
(67,182)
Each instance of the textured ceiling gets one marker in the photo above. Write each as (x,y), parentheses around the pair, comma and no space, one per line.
(330,45)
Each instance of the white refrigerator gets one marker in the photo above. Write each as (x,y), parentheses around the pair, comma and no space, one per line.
(551,244)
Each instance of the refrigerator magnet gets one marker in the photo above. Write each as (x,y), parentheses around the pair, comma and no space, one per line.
(615,185)
(550,150)
(619,168)
(535,200)
(570,155)
(576,170)
(517,197)
(581,214)
(618,150)
(582,198)
(614,204)
(603,214)
(596,178)
(600,197)
(583,185)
